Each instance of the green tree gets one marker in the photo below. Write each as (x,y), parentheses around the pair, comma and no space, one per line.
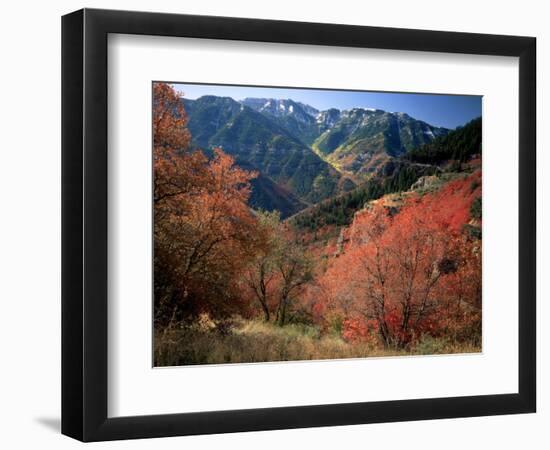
(295,271)
(260,273)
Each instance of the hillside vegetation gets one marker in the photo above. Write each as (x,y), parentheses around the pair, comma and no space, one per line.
(304,155)
(260,143)
(363,140)
(459,145)
(445,155)
(390,268)
(394,177)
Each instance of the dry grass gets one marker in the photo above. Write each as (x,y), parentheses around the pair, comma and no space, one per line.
(255,341)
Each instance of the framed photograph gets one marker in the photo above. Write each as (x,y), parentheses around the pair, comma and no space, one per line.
(273,225)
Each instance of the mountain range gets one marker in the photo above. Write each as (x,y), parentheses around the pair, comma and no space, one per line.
(303,155)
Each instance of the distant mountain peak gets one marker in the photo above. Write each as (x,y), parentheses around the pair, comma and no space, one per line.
(327,119)
(305,152)
(279,107)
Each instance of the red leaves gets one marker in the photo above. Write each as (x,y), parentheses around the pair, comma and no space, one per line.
(409,267)
(204,230)
(169,120)
(358,330)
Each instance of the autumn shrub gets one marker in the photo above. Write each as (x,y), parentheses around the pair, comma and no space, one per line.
(204,230)
(411,273)
(359,330)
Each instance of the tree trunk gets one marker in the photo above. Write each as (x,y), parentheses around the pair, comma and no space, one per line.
(266,312)
(281,311)
(283,314)
(384,332)
(263,290)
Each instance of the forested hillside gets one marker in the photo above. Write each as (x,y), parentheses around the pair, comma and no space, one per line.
(393,177)
(444,156)
(363,140)
(259,143)
(304,155)
(459,145)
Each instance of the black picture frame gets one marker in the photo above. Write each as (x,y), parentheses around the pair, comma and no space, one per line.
(84,224)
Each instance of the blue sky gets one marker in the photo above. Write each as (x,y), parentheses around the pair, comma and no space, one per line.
(447,111)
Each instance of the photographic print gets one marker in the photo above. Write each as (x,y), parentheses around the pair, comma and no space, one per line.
(296,224)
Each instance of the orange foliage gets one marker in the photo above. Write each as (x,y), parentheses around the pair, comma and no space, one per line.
(204,230)
(412,269)
(408,265)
